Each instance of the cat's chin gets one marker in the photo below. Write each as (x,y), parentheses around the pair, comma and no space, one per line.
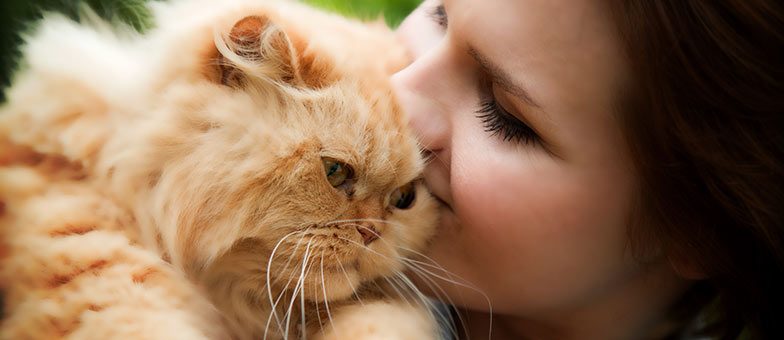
(332,283)
(335,283)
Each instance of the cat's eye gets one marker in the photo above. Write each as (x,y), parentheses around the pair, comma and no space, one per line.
(338,173)
(403,197)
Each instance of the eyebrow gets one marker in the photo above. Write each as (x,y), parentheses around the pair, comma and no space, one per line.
(502,78)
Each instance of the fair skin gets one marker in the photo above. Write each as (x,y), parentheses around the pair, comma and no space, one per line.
(538,220)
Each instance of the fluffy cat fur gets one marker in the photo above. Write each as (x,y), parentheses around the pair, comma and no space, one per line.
(177,185)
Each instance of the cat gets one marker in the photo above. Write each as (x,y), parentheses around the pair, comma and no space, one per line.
(240,171)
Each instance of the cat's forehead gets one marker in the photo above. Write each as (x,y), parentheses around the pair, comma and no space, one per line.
(368,130)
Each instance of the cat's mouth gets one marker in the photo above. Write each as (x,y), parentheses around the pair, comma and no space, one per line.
(356,234)
(331,263)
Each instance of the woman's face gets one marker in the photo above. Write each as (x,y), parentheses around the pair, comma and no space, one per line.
(515,102)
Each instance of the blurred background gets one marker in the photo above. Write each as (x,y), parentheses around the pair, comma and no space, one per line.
(16,15)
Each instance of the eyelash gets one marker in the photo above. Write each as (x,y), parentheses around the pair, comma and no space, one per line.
(438,15)
(499,122)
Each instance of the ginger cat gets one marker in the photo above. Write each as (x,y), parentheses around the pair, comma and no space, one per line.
(241,171)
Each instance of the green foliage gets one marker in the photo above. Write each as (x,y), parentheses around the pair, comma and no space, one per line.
(393,11)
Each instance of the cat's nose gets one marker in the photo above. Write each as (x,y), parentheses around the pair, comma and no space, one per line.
(368,232)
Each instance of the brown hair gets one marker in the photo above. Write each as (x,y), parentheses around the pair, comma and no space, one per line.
(704,123)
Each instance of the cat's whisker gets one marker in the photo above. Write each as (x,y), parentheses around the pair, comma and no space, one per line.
(446,279)
(414,293)
(375,233)
(300,283)
(423,147)
(269,284)
(324,289)
(286,266)
(427,155)
(375,283)
(440,317)
(432,286)
(318,312)
(317,290)
(376,220)
(384,256)
(354,220)
(425,301)
(274,304)
(441,295)
(399,293)
(311,267)
(361,246)
(293,294)
(452,278)
(469,286)
(406,261)
(380,238)
(424,272)
(303,333)
(392,282)
(376,253)
(348,279)
(300,290)
(293,252)
(433,264)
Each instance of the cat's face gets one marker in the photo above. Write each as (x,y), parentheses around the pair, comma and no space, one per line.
(298,174)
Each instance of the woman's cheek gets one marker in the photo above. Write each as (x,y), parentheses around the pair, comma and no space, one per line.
(488,191)
(516,198)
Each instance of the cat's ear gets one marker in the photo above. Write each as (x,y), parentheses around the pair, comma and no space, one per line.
(258,47)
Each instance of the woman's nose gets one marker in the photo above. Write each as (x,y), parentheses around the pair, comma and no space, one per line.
(421,102)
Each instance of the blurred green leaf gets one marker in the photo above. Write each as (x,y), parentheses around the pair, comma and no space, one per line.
(393,11)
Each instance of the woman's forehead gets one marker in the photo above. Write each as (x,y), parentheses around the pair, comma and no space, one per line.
(565,53)
(525,38)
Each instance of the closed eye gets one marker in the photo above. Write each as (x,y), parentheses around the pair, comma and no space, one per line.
(498,122)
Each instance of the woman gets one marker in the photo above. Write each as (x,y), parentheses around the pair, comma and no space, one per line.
(608,169)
